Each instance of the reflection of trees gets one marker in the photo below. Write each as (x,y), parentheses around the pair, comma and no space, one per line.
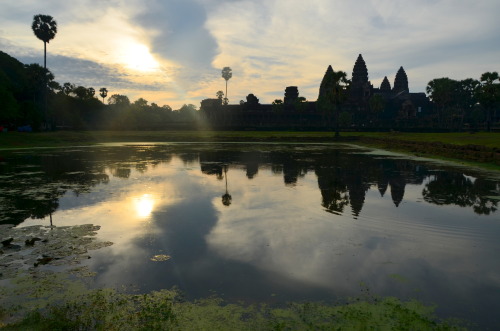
(331,182)
(447,188)
(226,198)
(33,184)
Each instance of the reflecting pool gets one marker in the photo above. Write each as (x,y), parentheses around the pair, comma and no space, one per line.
(271,222)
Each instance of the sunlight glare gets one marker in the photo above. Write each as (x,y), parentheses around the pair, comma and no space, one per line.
(138,57)
(144,205)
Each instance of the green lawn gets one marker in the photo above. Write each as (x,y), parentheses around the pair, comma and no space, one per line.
(68,138)
(480,148)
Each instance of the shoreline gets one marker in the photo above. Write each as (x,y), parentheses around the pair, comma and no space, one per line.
(477,149)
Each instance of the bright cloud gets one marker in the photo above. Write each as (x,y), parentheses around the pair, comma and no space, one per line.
(172,52)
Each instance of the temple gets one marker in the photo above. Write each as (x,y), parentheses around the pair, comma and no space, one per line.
(363,106)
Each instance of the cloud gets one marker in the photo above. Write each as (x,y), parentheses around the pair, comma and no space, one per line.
(268,44)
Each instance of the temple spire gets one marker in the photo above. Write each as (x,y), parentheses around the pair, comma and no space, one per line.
(327,82)
(385,86)
(359,72)
(401,81)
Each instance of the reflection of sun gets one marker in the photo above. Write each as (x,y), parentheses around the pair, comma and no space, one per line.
(138,57)
(144,205)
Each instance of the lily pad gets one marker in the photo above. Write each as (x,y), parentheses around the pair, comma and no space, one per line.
(160,258)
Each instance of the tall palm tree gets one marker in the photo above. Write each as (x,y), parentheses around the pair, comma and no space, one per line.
(45,29)
(227,73)
(104,93)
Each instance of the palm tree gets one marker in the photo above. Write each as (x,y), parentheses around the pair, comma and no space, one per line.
(45,29)
(104,93)
(227,73)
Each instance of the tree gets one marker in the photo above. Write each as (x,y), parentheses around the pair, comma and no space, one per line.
(141,103)
(45,28)
(489,94)
(103,93)
(81,92)
(277,105)
(442,92)
(335,85)
(227,73)
(119,100)
(219,95)
(91,92)
(68,88)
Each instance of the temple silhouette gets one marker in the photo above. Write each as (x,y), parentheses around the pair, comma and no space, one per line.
(365,106)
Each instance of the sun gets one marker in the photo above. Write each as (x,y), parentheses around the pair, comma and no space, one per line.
(138,57)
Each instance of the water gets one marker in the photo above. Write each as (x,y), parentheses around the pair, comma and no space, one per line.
(272,222)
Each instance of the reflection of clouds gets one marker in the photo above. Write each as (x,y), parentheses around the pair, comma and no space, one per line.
(283,230)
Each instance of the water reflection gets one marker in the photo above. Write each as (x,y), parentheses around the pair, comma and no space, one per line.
(226,198)
(34,183)
(270,223)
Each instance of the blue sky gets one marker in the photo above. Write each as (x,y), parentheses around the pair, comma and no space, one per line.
(172,51)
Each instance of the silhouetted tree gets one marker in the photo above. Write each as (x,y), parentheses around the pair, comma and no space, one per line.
(119,100)
(442,92)
(278,105)
(335,85)
(103,93)
(68,88)
(227,73)
(91,92)
(141,103)
(219,95)
(489,94)
(45,29)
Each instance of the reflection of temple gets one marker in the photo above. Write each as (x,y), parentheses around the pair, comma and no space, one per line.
(366,105)
(343,179)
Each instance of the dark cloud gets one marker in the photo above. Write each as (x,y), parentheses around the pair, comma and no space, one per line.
(182,36)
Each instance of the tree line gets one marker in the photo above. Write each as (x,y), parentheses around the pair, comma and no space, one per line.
(29,96)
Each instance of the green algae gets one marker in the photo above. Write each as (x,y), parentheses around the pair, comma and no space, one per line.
(165,310)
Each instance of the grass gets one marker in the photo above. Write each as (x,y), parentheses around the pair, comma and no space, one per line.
(482,148)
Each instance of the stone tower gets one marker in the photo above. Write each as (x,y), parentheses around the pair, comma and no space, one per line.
(385,86)
(401,82)
(360,86)
(359,72)
(291,94)
(326,83)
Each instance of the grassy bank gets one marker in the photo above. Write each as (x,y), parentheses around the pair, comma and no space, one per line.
(482,147)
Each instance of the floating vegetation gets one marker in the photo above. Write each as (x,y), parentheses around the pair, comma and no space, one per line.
(165,310)
(160,258)
(42,265)
(27,248)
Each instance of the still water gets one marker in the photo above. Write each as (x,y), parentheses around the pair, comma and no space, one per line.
(272,223)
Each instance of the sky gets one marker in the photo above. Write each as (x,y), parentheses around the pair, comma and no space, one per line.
(171,52)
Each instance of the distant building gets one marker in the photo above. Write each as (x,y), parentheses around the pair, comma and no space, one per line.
(366,105)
